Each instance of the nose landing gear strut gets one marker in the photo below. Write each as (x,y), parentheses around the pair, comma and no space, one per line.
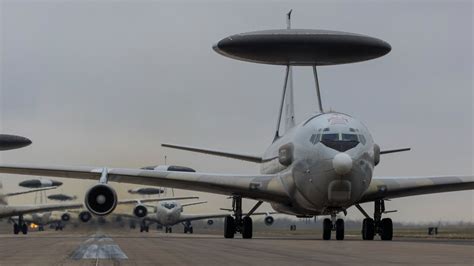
(333,224)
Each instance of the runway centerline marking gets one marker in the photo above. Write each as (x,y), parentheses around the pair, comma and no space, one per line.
(99,246)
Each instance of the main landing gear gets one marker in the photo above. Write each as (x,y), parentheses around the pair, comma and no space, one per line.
(188,228)
(332,224)
(239,223)
(21,226)
(377,225)
(168,229)
(144,227)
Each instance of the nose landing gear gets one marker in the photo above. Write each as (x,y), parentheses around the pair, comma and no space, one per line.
(332,224)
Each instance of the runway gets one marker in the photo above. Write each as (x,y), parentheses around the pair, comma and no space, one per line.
(134,248)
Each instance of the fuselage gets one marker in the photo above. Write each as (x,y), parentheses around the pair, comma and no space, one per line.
(168,213)
(325,163)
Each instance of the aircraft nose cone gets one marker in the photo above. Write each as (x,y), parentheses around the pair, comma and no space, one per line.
(342,163)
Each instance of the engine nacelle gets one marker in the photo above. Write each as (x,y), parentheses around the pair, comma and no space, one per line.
(210,222)
(269,220)
(140,211)
(65,217)
(101,199)
(85,216)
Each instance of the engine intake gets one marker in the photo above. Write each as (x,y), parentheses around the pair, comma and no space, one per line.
(269,220)
(101,199)
(140,211)
(65,217)
(85,216)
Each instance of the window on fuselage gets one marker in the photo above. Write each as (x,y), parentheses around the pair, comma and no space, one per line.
(330,136)
(350,137)
(340,142)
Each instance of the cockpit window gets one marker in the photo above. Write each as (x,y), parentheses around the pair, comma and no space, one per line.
(330,136)
(342,142)
(350,137)
(362,139)
(168,205)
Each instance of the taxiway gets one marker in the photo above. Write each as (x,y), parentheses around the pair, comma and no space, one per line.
(134,248)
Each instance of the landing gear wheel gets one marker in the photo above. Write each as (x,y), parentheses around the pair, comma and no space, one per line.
(386,229)
(190,230)
(185,230)
(247,227)
(24,229)
(327,227)
(340,229)
(229,227)
(368,229)
(16,229)
(147,228)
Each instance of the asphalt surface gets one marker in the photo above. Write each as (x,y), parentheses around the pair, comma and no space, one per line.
(156,248)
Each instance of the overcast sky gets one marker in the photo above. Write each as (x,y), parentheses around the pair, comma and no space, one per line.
(104,83)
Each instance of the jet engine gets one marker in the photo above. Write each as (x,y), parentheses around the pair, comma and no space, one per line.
(210,222)
(269,220)
(65,217)
(140,211)
(101,199)
(85,216)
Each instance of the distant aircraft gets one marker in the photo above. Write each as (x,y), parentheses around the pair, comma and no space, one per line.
(10,211)
(146,191)
(11,142)
(169,213)
(321,166)
(37,183)
(61,197)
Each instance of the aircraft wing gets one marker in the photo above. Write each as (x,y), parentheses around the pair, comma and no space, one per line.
(138,201)
(192,217)
(260,187)
(389,188)
(12,210)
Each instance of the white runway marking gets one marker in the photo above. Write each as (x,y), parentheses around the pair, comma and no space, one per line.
(99,246)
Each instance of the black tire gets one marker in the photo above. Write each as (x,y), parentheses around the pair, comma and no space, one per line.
(327,228)
(141,228)
(387,229)
(147,228)
(185,230)
(368,229)
(24,229)
(229,227)
(16,229)
(171,230)
(247,227)
(190,230)
(340,229)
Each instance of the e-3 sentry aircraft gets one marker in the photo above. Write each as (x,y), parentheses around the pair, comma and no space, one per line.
(322,166)
(169,213)
(11,211)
